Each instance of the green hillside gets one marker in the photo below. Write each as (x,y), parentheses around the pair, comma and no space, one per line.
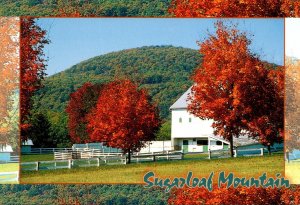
(163,70)
(84,7)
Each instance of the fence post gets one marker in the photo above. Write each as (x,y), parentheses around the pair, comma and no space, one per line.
(167,155)
(69,163)
(261,151)
(98,162)
(209,154)
(235,153)
(137,159)
(37,166)
(153,157)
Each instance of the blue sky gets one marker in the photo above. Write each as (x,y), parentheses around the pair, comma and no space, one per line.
(74,40)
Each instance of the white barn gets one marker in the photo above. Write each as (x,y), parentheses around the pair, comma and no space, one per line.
(191,134)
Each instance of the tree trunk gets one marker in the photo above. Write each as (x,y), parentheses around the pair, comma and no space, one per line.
(129,157)
(269,149)
(231,145)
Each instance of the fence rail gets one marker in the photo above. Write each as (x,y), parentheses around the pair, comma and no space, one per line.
(6,177)
(240,152)
(64,160)
(218,154)
(48,150)
(72,163)
(153,156)
(13,159)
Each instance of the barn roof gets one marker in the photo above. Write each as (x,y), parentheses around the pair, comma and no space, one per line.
(182,102)
(27,142)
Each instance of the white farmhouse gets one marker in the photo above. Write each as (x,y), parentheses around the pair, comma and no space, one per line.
(191,134)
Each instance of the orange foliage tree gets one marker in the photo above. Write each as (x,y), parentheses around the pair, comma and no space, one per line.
(124,117)
(235,8)
(237,196)
(81,102)
(32,66)
(9,70)
(233,87)
(292,99)
(266,121)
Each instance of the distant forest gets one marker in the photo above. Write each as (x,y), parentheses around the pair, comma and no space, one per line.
(84,7)
(163,70)
(84,194)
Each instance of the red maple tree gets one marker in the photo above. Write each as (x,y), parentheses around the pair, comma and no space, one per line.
(233,87)
(292,102)
(32,66)
(9,72)
(81,102)
(266,119)
(124,117)
(235,8)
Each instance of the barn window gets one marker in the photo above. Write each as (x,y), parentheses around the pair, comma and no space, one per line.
(180,120)
(202,142)
(219,143)
(190,119)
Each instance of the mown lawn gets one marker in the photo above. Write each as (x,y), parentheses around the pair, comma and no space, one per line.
(37,157)
(11,167)
(292,172)
(134,173)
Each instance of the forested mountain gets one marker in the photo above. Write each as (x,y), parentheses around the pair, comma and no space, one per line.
(163,70)
(81,194)
(84,7)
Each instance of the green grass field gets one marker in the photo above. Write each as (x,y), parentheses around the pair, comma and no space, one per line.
(292,172)
(11,167)
(134,173)
(37,157)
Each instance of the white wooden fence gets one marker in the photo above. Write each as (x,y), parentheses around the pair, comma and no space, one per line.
(48,150)
(154,156)
(239,152)
(9,177)
(72,163)
(63,160)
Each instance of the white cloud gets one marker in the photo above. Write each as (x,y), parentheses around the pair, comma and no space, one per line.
(292,37)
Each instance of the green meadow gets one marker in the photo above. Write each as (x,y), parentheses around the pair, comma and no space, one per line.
(134,172)
(292,171)
(11,167)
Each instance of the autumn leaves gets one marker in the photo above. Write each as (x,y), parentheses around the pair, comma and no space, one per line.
(235,8)
(117,113)
(237,90)
(9,80)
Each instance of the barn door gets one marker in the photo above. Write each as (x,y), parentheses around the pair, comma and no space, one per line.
(185,146)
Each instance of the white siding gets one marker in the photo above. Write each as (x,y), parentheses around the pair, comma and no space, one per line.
(157,146)
(187,129)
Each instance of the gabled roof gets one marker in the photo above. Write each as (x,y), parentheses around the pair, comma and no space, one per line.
(27,142)
(182,102)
